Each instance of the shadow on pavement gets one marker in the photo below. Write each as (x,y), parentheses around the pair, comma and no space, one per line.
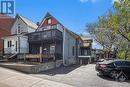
(60,70)
(110,79)
(106,77)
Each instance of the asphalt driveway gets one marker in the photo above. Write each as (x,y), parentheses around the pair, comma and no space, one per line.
(80,76)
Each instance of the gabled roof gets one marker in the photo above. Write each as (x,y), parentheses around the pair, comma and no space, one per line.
(27,21)
(86,38)
(48,15)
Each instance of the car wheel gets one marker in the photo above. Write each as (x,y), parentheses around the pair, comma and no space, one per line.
(113,74)
(122,78)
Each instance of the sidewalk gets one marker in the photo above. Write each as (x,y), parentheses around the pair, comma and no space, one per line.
(10,78)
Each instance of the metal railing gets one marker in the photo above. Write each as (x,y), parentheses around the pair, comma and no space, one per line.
(45,35)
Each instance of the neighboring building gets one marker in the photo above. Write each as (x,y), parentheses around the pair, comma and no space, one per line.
(54,41)
(102,54)
(17,42)
(5,27)
(86,54)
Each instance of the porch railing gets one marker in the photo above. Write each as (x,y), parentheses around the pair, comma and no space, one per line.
(45,35)
(31,56)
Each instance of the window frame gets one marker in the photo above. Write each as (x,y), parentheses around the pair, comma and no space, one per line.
(9,43)
(19,31)
(49,21)
(73,51)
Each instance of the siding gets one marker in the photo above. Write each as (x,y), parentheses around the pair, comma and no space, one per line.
(23,26)
(12,48)
(69,43)
(23,45)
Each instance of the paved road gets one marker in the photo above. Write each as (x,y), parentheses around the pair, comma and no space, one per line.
(83,76)
(11,78)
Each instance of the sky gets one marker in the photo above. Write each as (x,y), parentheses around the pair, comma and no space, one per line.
(73,14)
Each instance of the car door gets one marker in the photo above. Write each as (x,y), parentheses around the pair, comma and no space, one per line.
(126,68)
(118,65)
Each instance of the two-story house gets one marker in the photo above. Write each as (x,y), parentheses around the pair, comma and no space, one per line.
(17,42)
(54,41)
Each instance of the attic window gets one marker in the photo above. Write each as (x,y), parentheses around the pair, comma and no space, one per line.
(49,21)
(18,28)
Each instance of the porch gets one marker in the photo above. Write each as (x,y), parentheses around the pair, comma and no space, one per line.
(45,46)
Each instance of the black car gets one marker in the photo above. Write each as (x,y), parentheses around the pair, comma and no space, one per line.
(118,69)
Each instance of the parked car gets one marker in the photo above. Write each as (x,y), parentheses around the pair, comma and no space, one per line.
(117,69)
(106,59)
(100,60)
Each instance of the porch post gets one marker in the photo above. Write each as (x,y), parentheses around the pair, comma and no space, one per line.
(55,52)
(41,54)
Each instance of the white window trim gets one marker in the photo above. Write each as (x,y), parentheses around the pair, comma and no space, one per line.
(49,21)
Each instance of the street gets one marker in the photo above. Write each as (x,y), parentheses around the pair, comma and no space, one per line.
(80,76)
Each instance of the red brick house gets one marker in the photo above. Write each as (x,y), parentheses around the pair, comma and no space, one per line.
(5,26)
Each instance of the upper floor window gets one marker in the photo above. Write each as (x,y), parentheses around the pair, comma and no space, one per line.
(49,21)
(18,28)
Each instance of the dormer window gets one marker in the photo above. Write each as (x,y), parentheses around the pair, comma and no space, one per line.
(49,21)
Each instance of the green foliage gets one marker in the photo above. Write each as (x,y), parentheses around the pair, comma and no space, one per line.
(123,54)
(113,29)
(120,19)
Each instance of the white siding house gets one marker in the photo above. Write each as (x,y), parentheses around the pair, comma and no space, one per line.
(69,48)
(17,42)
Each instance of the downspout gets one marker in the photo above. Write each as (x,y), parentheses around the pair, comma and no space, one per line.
(64,47)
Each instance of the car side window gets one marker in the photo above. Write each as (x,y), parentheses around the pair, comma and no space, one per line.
(126,63)
(118,63)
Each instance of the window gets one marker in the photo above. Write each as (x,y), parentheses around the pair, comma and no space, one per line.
(54,26)
(18,28)
(16,45)
(73,50)
(49,21)
(118,63)
(52,49)
(9,43)
(48,27)
(126,63)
